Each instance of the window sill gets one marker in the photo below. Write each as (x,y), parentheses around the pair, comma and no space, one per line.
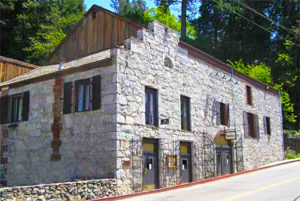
(186,131)
(252,138)
(82,112)
(152,126)
(13,125)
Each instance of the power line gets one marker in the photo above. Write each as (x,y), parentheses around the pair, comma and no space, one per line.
(253,10)
(262,27)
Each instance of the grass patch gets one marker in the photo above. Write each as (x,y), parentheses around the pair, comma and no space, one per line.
(291,133)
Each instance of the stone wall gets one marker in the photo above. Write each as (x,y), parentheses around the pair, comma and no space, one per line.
(141,63)
(292,143)
(71,191)
(87,149)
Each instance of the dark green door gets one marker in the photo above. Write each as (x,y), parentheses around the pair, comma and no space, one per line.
(224,159)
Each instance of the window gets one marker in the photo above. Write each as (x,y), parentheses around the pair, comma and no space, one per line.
(82,95)
(251,125)
(185,113)
(267,125)
(87,95)
(151,106)
(223,114)
(14,108)
(249,95)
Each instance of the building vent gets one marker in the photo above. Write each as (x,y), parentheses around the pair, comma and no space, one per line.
(168,62)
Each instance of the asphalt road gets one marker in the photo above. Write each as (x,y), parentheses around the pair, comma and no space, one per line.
(281,183)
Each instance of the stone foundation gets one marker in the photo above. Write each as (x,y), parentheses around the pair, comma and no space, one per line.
(81,190)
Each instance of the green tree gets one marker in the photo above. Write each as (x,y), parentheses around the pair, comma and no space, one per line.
(133,10)
(258,71)
(262,73)
(167,19)
(39,26)
(63,16)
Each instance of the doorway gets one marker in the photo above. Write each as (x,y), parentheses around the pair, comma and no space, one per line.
(150,164)
(224,163)
(185,162)
(224,160)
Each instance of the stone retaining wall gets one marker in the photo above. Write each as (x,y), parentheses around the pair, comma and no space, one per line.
(71,191)
(292,143)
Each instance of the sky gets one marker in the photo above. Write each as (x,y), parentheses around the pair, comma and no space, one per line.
(106,4)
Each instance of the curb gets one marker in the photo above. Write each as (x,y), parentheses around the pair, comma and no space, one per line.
(120,197)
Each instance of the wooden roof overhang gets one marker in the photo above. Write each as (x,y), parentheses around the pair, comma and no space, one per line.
(17,62)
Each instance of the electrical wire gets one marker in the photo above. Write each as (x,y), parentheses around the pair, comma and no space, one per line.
(258,13)
(262,27)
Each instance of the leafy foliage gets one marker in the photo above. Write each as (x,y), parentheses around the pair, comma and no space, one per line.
(38,26)
(291,154)
(262,73)
(230,30)
(287,106)
(258,71)
(167,19)
(63,15)
(133,10)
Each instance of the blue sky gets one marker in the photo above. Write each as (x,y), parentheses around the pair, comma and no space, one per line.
(106,4)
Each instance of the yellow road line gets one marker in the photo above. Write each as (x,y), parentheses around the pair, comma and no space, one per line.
(259,189)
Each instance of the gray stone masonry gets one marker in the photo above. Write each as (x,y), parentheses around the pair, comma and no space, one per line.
(141,63)
(108,142)
(88,147)
(69,191)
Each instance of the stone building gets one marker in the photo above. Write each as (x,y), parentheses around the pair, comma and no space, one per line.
(150,111)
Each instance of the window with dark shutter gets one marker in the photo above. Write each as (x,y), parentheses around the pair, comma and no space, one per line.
(227,115)
(185,113)
(245,123)
(87,95)
(249,95)
(25,106)
(68,97)
(4,100)
(256,122)
(267,125)
(16,108)
(218,113)
(96,92)
(151,106)
(252,125)
(223,114)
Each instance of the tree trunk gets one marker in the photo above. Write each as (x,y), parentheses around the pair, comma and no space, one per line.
(164,5)
(183,19)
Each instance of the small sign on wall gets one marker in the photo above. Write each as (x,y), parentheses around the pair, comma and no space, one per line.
(171,161)
(230,134)
(164,121)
